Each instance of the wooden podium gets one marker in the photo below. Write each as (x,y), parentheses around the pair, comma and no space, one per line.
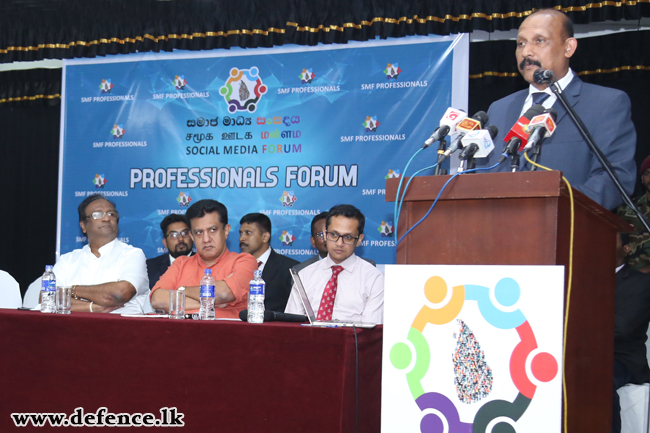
(524,219)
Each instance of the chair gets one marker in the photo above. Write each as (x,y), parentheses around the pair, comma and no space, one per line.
(634,404)
(9,291)
(32,294)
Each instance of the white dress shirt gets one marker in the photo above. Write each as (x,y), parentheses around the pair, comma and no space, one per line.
(562,82)
(264,258)
(360,292)
(117,262)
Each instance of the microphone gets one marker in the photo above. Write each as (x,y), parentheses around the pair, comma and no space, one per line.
(541,127)
(479,144)
(467,124)
(275,316)
(517,137)
(448,123)
(543,76)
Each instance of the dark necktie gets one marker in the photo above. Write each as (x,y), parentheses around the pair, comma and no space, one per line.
(540,97)
(329,294)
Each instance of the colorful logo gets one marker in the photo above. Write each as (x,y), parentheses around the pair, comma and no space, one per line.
(99,181)
(371,123)
(306,76)
(118,131)
(386,229)
(179,82)
(287,238)
(106,86)
(392,174)
(243,90)
(392,71)
(473,377)
(183,199)
(288,199)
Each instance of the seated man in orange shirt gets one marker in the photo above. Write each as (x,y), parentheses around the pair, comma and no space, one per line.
(232,272)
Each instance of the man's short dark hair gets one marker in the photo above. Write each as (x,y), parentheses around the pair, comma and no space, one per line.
(320,216)
(263,221)
(171,219)
(348,211)
(205,206)
(84,204)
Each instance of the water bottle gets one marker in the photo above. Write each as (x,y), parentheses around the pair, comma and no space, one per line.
(256,299)
(48,291)
(206,312)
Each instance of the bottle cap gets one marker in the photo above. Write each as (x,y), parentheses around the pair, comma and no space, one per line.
(48,267)
(208,272)
(257,273)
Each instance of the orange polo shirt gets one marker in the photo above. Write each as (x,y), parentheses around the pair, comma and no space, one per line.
(236,269)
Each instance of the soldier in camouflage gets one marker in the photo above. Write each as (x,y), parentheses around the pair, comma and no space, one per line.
(639,256)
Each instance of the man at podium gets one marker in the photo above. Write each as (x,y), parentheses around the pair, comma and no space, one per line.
(545,40)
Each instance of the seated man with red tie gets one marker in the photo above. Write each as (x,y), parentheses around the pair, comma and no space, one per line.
(342,285)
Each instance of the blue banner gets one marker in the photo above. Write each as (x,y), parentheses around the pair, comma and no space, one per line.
(287,132)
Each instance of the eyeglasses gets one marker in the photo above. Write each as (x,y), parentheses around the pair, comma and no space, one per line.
(175,235)
(97,215)
(347,239)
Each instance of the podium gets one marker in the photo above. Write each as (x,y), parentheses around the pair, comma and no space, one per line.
(523,218)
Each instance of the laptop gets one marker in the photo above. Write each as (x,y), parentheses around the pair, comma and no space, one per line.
(310,311)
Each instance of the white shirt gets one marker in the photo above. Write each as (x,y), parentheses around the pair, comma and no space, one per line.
(264,258)
(117,262)
(562,82)
(360,292)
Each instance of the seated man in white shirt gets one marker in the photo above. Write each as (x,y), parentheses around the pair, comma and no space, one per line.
(342,285)
(107,275)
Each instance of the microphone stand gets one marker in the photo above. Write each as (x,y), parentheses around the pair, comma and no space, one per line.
(441,149)
(514,162)
(607,166)
(536,152)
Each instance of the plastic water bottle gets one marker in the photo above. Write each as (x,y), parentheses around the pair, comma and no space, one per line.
(48,291)
(256,299)
(206,312)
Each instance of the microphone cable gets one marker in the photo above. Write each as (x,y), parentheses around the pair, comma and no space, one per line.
(401,201)
(399,186)
(471,170)
(568,290)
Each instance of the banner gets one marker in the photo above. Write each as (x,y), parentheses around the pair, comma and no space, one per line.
(287,132)
(472,348)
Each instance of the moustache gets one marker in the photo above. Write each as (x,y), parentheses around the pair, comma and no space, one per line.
(241,244)
(528,62)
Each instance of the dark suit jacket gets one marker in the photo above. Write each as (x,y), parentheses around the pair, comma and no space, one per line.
(606,113)
(631,322)
(156,267)
(314,259)
(278,281)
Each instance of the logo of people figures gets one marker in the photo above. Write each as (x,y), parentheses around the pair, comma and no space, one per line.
(99,181)
(306,76)
(288,199)
(371,123)
(106,86)
(183,199)
(118,131)
(392,71)
(386,229)
(243,90)
(179,82)
(287,238)
(392,174)
(473,377)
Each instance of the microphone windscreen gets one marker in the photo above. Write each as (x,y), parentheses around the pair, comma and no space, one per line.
(493,131)
(243,315)
(481,116)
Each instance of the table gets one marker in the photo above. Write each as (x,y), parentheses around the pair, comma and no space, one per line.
(223,376)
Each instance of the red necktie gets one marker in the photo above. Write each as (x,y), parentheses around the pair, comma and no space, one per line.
(329,294)
(259,264)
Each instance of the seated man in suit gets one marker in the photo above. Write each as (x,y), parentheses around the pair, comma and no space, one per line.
(177,240)
(318,242)
(107,275)
(232,272)
(255,239)
(632,314)
(342,285)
